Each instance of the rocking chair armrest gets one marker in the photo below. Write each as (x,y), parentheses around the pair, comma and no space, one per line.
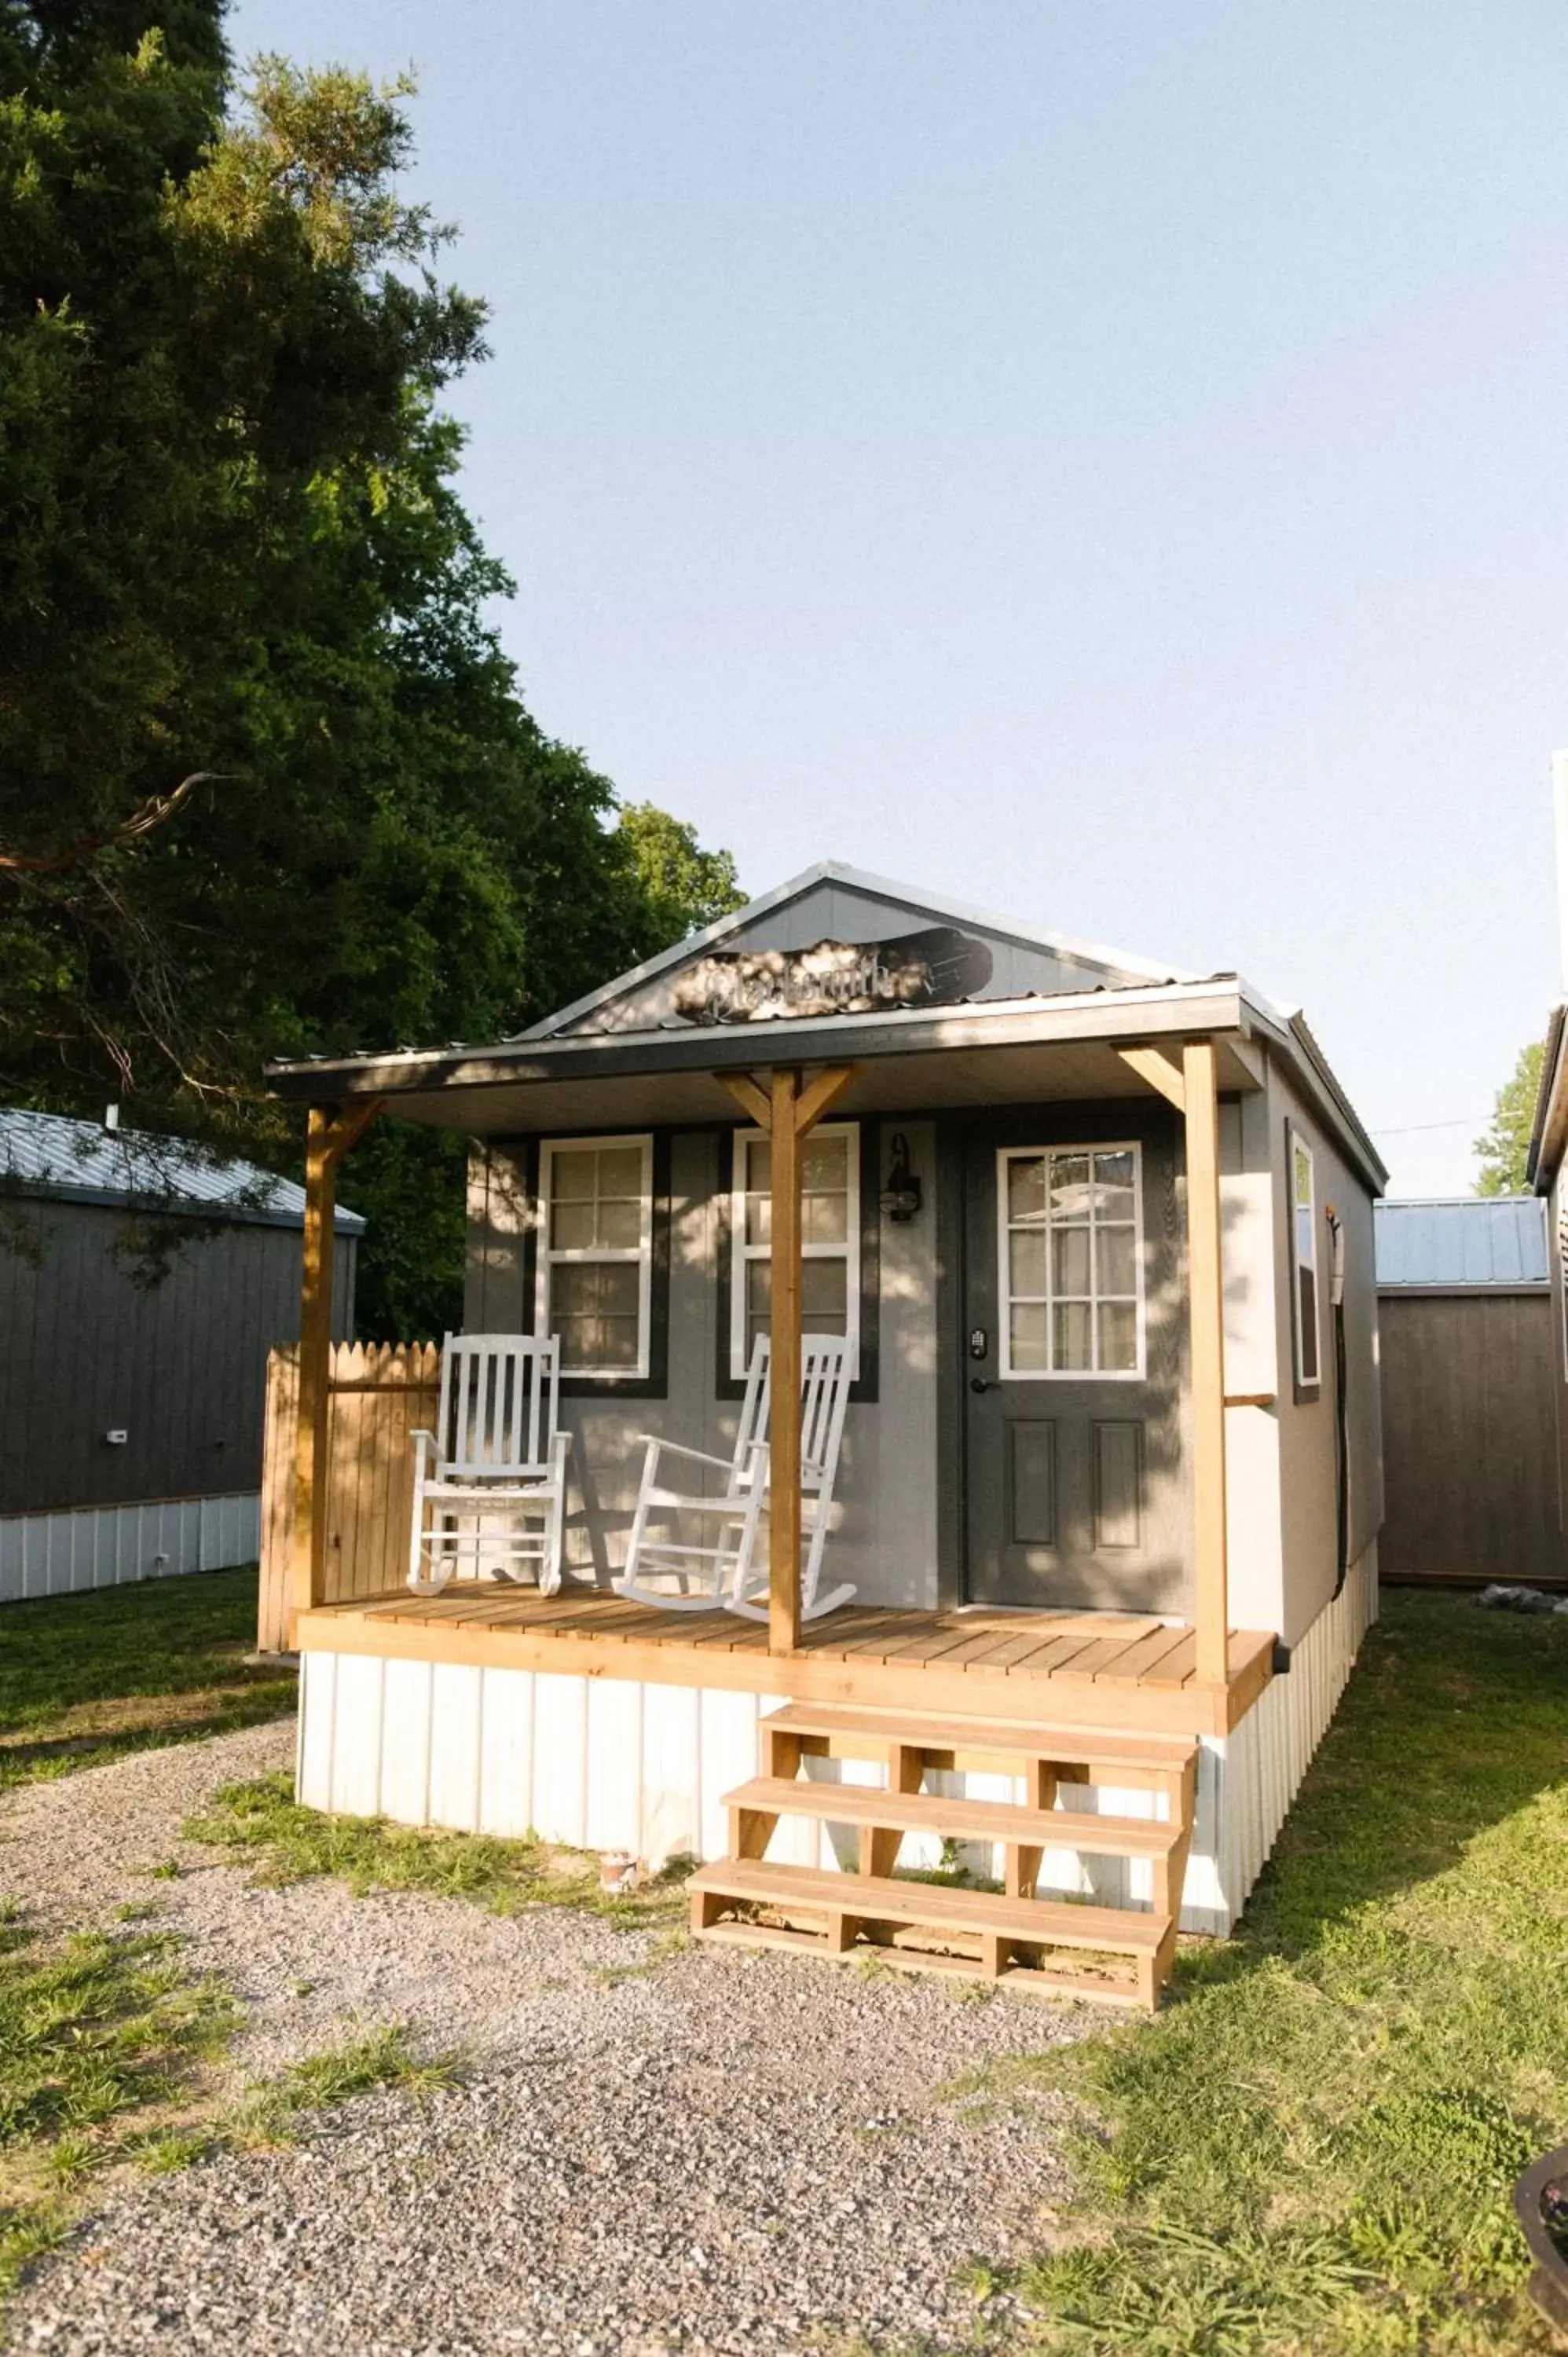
(677,1449)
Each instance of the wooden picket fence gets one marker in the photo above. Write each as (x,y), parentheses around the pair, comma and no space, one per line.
(378,1394)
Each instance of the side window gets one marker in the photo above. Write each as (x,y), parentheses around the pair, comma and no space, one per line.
(1303,1260)
(830,1239)
(596,1253)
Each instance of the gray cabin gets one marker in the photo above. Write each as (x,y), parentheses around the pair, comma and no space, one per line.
(1097,1236)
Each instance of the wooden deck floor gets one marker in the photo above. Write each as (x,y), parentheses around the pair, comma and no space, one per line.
(1095,1669)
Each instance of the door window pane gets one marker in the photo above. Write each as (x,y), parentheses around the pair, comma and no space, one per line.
(1118,1336)
(1030,1333)
(1118,1261)
(1028,1248)
(1070,1259)
(1072,1331)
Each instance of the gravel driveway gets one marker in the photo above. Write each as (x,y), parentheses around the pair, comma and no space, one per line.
(715,2153)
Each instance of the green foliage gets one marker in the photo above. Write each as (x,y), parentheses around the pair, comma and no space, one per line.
(85,1679)
(1315,2146)
(682,887)
(292,1843)
(1505,1148)
(229,542)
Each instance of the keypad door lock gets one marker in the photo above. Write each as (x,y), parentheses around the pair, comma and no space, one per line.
(979,1342)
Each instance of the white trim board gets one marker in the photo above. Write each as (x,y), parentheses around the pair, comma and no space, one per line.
(82,1547)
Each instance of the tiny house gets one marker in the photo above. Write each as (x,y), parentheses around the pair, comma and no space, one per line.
(141,1285)
(1098,1236)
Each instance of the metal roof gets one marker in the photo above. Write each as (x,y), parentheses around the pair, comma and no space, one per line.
(1462,1242)
(47,1154)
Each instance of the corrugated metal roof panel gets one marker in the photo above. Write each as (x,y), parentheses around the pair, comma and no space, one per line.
(1480,1239)
(78,1161)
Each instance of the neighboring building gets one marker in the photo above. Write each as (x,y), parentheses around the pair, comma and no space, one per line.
(1113,1459)
(1471,1368)
(140,1286)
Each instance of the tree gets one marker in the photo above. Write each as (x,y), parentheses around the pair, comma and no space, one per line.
(267,784)
(680,887)
(1505,1148)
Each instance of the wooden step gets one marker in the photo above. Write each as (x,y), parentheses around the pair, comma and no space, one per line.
(950,1820)
(985,1919)
(1075,1981)
(1162,1754)
(934,1906)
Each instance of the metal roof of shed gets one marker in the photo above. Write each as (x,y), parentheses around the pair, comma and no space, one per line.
(1462,1242)
(52,1156)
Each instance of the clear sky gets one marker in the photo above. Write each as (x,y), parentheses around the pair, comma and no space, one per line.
(1105,458)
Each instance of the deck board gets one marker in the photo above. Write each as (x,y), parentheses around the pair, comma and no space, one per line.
(1083,1668)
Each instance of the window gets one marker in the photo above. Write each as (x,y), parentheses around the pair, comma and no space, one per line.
(830,1239)
(1070,1260)
(1303,1260)
(595,1251)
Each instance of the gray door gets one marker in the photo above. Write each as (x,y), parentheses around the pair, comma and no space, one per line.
(1074,1345)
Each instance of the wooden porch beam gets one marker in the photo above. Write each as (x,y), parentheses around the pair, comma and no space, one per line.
(328,1136)
(1154,1066)
(1206,1303)
(750,1097)
(819,1093)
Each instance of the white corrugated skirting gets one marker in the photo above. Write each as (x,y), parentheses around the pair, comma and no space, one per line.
(106,1546)
(612,1764)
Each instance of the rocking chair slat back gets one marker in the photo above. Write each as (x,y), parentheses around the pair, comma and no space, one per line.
(499,1402)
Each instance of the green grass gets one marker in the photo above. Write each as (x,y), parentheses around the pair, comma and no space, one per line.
(85,1679)
(1313,2148)
(106,2048)
(289,1844)
(102,2042)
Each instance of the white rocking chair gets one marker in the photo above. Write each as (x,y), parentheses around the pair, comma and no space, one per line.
(726,1571)
(490,1487)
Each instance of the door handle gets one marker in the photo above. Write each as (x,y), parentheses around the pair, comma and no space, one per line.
(980,1383)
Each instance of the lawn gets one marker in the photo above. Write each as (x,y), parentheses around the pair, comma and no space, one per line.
(1313,2148)
(84,1679)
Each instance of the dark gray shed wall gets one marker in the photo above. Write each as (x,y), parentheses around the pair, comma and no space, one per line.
(181,1366)
(1469,1386)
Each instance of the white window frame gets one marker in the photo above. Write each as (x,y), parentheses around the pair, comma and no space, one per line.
(642,1253)
(1007,1155)
(742,1254)
(1296,1144)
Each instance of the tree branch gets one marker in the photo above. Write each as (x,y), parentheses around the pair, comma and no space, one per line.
(153,812)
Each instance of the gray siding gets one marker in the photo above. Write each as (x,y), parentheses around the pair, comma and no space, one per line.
(180,1365)
(1308,1497)
(884,1524)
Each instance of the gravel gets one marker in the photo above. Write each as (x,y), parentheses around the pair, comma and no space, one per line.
(646,2151)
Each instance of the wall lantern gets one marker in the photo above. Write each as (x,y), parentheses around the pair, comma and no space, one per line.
(900,1199)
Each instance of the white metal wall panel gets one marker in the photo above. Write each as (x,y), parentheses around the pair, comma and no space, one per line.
(405,1742)
(505,1754)
(105,1546)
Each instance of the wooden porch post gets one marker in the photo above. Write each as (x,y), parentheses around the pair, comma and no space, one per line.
(789,1110)
(1207,1317)
(784,1408)
(327,1141)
